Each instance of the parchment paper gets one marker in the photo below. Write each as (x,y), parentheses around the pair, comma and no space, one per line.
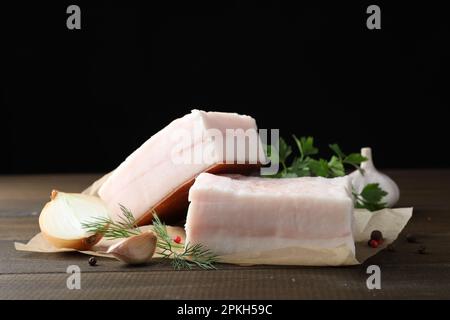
(389,221)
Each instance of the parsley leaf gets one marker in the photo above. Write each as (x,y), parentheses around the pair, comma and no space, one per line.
(336,167)
(354,159)
(319,167)
(285,150)
(305,164)
(300,167)
(306,146)
(335,147)
(370,197)
(279,156)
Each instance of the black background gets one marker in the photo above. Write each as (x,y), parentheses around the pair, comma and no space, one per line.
(82,100)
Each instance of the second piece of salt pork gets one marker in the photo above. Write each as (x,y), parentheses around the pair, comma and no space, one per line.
(235,214)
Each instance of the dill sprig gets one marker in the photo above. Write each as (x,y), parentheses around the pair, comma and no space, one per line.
(193,255)
(182,257)
(125,227)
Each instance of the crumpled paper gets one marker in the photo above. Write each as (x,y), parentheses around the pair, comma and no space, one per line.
(39,244)
(389,221)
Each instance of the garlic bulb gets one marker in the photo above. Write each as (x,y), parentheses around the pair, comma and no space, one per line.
(61,220)
(136,249)
(372,175)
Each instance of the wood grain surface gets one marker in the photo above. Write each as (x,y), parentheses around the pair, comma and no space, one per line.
(406,274)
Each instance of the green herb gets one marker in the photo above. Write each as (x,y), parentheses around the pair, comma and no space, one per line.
(279,155)
(182,257)
(336,167)
(305,165)
(193,255)
(306,146)
(319,168)
(124,228)
(337,150)
(370,197)
(353,159)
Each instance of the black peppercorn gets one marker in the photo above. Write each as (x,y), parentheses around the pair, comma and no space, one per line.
(376,235)
(411,238)
(92,261)
(422,250)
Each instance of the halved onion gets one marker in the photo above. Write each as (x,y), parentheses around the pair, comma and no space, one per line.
(61,220)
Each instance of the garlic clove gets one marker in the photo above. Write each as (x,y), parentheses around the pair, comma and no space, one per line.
(61,220)
(371,175)
(138,249)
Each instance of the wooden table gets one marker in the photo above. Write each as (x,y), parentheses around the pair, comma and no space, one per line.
(405,273)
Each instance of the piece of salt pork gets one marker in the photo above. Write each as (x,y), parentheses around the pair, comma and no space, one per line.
(231,214)
(158,175)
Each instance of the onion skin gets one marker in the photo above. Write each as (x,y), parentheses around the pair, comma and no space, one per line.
(82,244)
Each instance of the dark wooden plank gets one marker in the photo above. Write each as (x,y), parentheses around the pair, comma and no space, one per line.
(406,274)
(25,195)
(294,283)
(20,228)
(12,261)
